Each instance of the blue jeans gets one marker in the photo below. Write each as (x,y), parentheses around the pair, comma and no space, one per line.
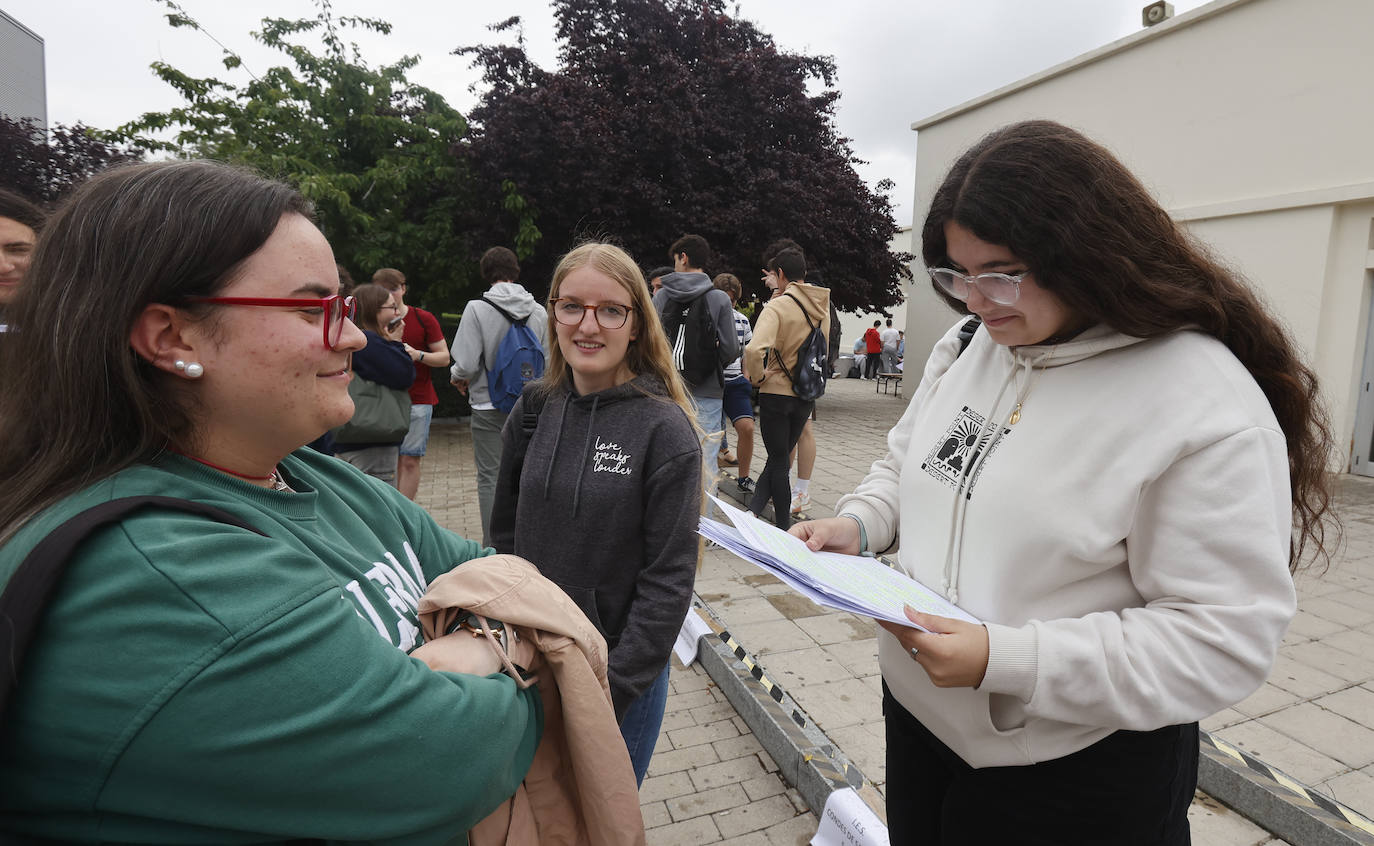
(418,436)
(709,419)
(642,721)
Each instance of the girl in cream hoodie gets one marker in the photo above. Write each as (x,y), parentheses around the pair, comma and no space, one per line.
(1115,476)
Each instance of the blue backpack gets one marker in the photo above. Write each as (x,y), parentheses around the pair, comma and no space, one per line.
(519,361)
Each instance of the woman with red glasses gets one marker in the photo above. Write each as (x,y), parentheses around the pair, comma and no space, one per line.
(193,679)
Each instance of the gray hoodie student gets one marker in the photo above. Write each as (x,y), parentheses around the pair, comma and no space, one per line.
(604,513)
(474,350)
(686,286)
(481,330)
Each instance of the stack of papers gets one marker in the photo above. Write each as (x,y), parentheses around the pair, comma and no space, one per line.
(851,583)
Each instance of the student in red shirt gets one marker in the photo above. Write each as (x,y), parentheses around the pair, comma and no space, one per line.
(424,341)
(873,343)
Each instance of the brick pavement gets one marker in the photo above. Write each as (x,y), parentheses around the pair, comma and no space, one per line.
(711,782)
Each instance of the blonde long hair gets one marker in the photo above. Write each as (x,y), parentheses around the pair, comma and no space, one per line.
(649,352)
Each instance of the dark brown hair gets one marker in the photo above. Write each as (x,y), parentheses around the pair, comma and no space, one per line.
(697,250)
(730,284)
(16,207)
(791,263)
(1091,234)
(499,264)
(76,403)
(371,297)
(389,278)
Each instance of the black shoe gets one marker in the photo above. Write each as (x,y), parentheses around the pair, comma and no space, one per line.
(746,484)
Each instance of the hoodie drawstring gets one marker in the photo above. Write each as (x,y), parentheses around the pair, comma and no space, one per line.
(586,451)
(553,456)
(954,548)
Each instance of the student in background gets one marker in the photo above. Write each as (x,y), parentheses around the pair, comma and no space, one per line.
(873,349)
(738,398)
(475,348)
(687,285)
(383,360)
(424,343)
(20,222)
(769,360)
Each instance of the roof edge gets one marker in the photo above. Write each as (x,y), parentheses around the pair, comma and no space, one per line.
(1173,24)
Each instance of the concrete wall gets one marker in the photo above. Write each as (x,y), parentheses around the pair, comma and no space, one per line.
(1249,119)
(23,83)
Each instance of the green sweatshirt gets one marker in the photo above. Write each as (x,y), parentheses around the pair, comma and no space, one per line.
(196,683)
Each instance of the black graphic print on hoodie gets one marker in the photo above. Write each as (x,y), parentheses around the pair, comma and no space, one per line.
(606,507)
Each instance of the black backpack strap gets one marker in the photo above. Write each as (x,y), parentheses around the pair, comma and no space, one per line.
(809,329)
(532,399)
(29,590)
(967,331)
(805,316)
(510,318)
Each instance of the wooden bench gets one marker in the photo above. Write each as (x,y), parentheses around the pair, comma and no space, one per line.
(886,379)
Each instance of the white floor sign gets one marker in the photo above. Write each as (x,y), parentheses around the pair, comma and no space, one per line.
(848,821)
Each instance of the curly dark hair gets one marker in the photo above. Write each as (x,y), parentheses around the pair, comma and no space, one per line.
(1092,234)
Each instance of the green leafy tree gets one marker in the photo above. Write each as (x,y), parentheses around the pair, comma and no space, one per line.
(371,150)
(673,116)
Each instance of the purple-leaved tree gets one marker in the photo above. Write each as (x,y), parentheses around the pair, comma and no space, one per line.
(672,116)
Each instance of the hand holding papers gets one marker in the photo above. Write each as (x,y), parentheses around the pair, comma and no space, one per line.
(844,582)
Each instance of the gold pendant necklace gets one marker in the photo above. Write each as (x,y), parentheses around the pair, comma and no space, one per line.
(1030,385)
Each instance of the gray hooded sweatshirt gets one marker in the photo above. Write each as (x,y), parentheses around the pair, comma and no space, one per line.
(606,507)
(480,332)
(686,286)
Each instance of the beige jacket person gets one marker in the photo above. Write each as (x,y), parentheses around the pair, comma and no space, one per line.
(580,789)
(779,333)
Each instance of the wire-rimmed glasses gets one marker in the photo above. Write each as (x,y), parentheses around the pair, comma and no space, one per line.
(570,312)
(335,309)
(1000,288)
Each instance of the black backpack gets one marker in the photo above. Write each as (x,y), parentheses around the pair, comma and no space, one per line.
(808,376)
(691,332)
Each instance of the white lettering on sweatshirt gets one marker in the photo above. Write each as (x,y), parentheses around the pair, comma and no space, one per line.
(609,459)
(402,593)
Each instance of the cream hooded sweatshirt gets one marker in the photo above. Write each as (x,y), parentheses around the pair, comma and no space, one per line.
(1125,540)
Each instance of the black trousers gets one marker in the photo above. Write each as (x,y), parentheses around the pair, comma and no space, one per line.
(781,420)
(871,362)
(1131,787)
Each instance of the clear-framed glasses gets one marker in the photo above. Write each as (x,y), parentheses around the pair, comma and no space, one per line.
(1000,288)
(570,312)
(335,309)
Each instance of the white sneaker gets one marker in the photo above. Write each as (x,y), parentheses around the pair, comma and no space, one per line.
(800,501)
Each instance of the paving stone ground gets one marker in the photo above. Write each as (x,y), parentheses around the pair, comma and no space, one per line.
(711,782)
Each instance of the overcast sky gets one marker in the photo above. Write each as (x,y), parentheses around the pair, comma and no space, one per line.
(897,62)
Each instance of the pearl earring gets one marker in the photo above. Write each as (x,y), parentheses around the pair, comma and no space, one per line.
(179,364)
(194,370)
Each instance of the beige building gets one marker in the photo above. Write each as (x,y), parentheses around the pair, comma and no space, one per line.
(1251,121)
